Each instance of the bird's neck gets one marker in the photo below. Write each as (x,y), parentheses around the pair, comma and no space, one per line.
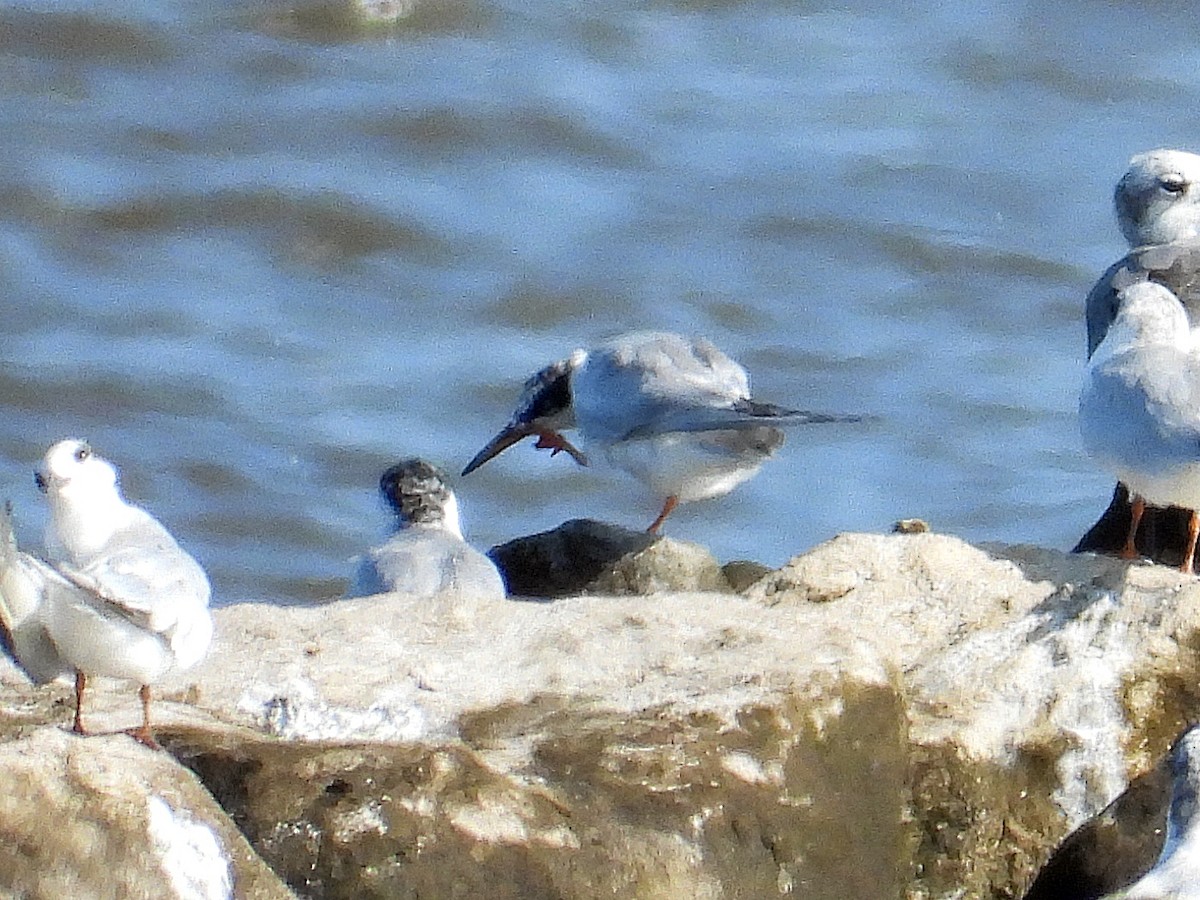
(84,520)
(450,519)
(443,518)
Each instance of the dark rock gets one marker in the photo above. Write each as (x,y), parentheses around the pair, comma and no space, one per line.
(1112,850)
(741,573)
(584,556)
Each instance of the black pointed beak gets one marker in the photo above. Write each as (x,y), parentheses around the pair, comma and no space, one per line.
(40,480)
(510,435)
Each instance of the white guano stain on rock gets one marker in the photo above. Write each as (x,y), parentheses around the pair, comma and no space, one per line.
(490,821)
(193,860)
(1093,770)
(296,711)
(745,767)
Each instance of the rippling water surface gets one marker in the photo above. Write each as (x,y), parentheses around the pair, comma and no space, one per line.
(256,253)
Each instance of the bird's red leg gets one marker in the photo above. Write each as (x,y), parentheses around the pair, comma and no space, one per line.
(550,440)
(80,684)
(668,506)
(1137,506)
(556,444)
(1188,566)
(143,735)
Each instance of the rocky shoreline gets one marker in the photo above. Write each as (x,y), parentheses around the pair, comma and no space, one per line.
(886,716)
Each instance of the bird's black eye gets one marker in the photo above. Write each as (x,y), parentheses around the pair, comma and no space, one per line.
(82,453)
(1173,183)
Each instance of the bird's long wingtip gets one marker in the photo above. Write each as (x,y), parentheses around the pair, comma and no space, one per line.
(811,418)
(8,538)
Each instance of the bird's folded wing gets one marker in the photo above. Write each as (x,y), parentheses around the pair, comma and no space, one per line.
(150,587)
(1175,266)
(741,415)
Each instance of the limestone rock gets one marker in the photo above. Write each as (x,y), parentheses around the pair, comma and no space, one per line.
(105,817)
(886,716)
(584,556)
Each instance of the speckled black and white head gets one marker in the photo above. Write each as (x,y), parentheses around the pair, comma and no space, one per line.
(544,408)
(1157,200)
(417,492)
(546,396)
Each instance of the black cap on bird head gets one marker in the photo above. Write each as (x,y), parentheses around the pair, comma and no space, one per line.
(544,407)
(416,490)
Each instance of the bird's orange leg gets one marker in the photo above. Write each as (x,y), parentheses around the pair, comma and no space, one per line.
(1137,506)
(668,507)
(143,735)
(80,684)
(1188,566)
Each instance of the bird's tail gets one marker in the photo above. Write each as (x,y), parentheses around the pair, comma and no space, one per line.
(23,587)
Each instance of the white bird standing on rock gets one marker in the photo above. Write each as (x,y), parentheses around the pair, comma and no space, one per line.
(1176,874)
(426,554)
(673,412)
(121,599)
(1157,205)
(1139,410)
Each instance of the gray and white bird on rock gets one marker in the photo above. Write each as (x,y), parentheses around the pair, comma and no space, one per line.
(118,598)
(673,412)
(1157,206)
(425,555)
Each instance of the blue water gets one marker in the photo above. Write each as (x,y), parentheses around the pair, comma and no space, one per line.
(256,253)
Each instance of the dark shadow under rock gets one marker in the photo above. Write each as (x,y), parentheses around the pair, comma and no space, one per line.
(1162,535)
(584,556)
(1112,850)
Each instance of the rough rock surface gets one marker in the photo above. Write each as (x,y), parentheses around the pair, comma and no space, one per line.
(886,716)
(105,817)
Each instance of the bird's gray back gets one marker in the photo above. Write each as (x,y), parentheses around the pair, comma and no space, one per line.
(426,562)
(1175,266)
(654,374)
(1152,395)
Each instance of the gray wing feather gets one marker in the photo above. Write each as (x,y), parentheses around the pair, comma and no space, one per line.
(423,562)
(1175,266)
(741,416)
